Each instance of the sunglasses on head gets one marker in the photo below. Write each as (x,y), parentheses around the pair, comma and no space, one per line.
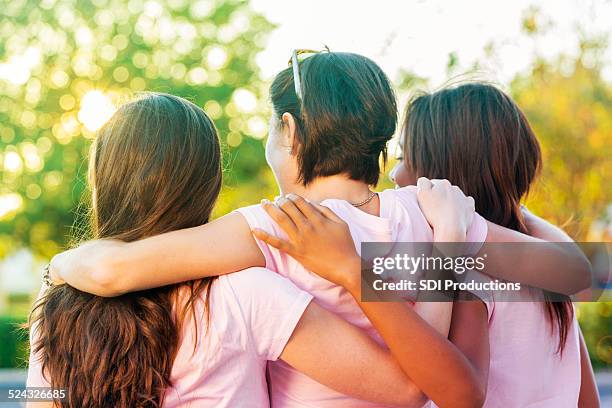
(294,62)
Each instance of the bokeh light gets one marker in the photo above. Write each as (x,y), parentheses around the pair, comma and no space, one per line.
(96,109)
(12,162)
(9,204)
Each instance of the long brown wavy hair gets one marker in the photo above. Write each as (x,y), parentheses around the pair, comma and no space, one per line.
(155,167)
(476,136)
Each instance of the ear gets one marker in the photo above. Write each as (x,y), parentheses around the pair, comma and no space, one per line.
(290,126)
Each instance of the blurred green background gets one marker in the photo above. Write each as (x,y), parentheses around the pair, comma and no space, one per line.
(65,65)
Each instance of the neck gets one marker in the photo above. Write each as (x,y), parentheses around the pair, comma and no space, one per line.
(339,187)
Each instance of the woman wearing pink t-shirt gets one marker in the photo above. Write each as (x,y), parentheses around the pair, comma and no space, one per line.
(333,115)
(528,352)
(477,137)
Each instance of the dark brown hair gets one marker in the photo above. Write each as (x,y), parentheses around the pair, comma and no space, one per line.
(155,167)
(347,115)
(475,136)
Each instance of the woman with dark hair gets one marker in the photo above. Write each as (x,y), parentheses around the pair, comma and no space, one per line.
(476,136)
(528,352)
(333,114)
(156,167)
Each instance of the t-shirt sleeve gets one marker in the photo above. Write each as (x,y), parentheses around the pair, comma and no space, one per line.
(257,217)
(271,305)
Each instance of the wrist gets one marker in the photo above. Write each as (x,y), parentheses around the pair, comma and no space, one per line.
(352,275)
(452,233)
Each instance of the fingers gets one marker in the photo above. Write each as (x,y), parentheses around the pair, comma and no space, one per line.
(328,213)
(471,201)
(440,183)
(272,240)
(313,211)
(423,184)
(291,209)
(309,211)
(281,218)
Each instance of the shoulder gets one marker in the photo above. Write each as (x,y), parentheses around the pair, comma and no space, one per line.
(256,216)
(255,275)
(250,211)
(406,195)
(255,283)
(402,203)
(270,307)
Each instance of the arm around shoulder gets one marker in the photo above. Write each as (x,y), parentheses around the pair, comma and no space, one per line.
(110,268)
(559,267)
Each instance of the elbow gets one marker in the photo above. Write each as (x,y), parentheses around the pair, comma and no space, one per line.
(106,282)
(473,398)
(478,400)
(407,396)
(418,399)
(586,274)
(583,275)
(411,398)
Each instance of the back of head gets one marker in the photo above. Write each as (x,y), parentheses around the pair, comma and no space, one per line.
(478,138)
(155,167)
(347,115)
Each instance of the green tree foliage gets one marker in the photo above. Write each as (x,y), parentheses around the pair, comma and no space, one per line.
(14,342)
(63,63)
(569,106)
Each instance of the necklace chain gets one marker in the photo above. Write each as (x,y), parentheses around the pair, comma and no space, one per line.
(364,202)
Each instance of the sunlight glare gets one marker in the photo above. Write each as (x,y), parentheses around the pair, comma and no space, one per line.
(245,100)
(96,109)
(9,203)
(216,58)
(12,162)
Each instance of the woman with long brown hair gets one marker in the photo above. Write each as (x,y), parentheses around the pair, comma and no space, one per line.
(479,139)
(155,167)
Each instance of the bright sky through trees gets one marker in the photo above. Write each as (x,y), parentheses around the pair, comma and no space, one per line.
(418,36)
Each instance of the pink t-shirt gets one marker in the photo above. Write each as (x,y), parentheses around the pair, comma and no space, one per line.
(525,369)
(400,220)
(252,316)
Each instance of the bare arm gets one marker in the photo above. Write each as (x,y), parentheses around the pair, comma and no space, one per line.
(112,268)
(470,333)
(557,266)
(341,356)
(547,260)
(588,397)
(424,355)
